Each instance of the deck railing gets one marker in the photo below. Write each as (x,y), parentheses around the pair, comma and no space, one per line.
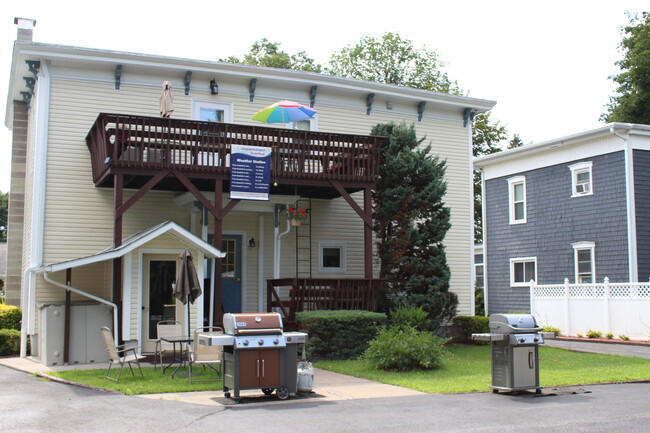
(292,295)
(139,144)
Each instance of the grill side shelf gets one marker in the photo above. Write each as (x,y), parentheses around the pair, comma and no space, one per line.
(489,337)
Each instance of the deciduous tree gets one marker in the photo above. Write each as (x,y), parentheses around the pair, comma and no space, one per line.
(268,54)
(391,59)
(632,101)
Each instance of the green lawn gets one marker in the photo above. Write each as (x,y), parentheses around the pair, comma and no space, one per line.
(154,381)
(468,369)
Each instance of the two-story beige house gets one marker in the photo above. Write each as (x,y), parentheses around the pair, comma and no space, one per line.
(106,193)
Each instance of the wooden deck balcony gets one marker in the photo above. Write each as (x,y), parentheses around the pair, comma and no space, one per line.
(303,162)
(310,294)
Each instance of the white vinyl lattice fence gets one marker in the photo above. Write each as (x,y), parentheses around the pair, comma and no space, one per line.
(619,308)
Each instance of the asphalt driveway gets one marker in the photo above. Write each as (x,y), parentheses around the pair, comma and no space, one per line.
(31,404)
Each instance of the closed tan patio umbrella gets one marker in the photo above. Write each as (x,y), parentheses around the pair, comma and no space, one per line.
(187,287)
(166,100)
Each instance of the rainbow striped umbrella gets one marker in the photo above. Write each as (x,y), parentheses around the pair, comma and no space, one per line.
(284,112)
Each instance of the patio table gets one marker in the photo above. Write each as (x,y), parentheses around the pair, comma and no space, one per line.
(178,356)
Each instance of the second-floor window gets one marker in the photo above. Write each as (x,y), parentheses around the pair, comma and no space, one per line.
(211,111)
(583,253)
(517,197)
(581,182)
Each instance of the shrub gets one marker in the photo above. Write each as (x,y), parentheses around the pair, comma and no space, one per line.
(340,334)
(465,326)
(552,329)
(609,335)
(9,342)
(594,334)
(402,348)
(579,335)
(624,337)
(10,317)
(415,317)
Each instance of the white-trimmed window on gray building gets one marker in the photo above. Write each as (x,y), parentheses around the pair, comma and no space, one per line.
(331,257)
(581,179)
(517,199)
(522,270)
(584,255)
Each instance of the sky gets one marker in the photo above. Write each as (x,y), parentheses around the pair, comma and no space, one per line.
(546,64)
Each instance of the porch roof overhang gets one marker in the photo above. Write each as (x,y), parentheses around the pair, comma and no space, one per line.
(137,240)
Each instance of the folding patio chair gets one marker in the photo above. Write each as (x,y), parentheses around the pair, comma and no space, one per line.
(119,355)
(207,356)
(166,328)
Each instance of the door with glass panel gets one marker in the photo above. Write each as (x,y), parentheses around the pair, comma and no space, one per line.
(158,302)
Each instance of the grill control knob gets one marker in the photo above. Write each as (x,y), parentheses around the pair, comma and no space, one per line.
(276,341)
(260,341)
(535,339)
(522,340)
(245,342)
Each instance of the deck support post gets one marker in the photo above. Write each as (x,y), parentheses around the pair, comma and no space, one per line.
(68,304)
(367,234)
(216,242)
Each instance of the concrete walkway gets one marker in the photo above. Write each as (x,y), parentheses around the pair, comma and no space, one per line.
(328,386)
(641,350)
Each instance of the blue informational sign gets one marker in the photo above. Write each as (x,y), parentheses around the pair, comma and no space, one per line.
(250,172)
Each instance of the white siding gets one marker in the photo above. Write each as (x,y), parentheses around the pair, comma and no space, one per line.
(79,217)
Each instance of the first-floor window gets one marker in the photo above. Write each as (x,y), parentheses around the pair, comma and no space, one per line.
(522,270)
(331,257)
(583,253)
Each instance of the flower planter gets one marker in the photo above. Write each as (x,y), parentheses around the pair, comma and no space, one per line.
(295,222)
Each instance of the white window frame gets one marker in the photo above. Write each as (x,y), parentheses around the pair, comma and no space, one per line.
(512,270)
(512,182)
(576,169)
(342,247)
(581,246)
(313,123)
(227,108)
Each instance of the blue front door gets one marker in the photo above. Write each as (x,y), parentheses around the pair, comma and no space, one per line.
(231,273)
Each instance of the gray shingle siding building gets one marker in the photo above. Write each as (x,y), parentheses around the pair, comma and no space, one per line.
(559,209)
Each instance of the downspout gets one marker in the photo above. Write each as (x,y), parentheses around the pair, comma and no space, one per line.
(472,273)
(278,243)
(630,204)
(38,206)
(260,263)
(484,242)
(88,295)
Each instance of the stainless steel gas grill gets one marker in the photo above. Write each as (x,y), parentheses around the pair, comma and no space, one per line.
(257,354)
(514,341)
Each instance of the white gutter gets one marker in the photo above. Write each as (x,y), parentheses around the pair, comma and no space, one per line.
(630,204)
(93,297)
(41,117)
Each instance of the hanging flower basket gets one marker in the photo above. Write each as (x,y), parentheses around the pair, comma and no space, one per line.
(296,216)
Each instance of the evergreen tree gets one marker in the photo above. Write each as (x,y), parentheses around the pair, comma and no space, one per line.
(411,221)
(632,103)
